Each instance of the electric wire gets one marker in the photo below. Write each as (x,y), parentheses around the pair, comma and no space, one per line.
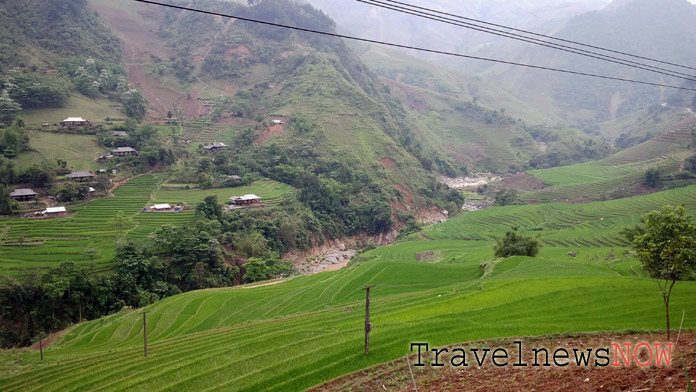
(410,47)
(544,36)
(535,41)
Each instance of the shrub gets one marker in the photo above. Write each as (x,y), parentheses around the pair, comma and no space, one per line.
(515,244)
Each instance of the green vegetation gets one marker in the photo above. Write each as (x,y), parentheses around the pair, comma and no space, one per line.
(516,244)
(666,247)
(506,197)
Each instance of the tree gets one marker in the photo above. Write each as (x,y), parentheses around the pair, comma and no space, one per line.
(515,244)
(121,222)
(507,197)
(103,183)
(256,270)
(71,191)
(652,177)
(209,208)
(666,247)
(7,205)
(8,108)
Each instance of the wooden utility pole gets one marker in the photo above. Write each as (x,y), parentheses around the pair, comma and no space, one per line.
(368,326)
(41,345)
(145,333)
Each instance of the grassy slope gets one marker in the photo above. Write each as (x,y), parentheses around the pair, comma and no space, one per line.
(80,151)
(309,329)
(49,242)
(77,105)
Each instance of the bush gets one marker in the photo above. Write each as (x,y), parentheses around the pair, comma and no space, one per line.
(515,244)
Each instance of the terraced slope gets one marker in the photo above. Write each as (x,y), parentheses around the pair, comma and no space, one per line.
(307,330)
(54,240)
(616,174)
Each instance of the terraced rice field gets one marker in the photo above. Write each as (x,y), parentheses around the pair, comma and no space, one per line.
(593,180)
(49,242)
(202,130)
(53,241)
(306,330)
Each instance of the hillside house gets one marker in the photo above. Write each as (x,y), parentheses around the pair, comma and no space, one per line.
(217,146)
(80,176)
(74,122)
(277,122)
(245,200)
(23,195)
(119,133)
(124,152)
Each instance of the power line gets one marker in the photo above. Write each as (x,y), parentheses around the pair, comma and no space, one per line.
(336,35)
(535,41)
(545,36)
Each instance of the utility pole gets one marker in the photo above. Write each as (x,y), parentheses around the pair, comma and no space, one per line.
(41,345)
(145,332)
(368,326)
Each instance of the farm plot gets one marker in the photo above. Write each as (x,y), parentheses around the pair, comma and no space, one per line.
(270,192)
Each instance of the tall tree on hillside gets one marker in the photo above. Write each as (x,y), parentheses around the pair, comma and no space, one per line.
(666,247)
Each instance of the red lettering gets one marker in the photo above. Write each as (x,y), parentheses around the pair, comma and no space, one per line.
(660,354)
(626,358)
(635,354)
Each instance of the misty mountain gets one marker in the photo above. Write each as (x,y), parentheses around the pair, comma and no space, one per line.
(384,24)
(661,30)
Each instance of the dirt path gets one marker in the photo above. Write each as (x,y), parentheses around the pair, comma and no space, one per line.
(263,284)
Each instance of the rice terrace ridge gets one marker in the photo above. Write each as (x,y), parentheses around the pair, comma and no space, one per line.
(372,195)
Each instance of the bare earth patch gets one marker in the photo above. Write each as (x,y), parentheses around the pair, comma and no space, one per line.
(389,164)
(271,131)
(395,375)
(523,182)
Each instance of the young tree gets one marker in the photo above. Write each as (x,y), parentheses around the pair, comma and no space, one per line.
(121,222)
(666,247)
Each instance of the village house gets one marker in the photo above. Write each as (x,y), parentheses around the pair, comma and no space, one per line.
(245,200)
(74,122)
(277,122)
(80,176)
(217,146)
(119,133)
(124,151)
(23,195)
